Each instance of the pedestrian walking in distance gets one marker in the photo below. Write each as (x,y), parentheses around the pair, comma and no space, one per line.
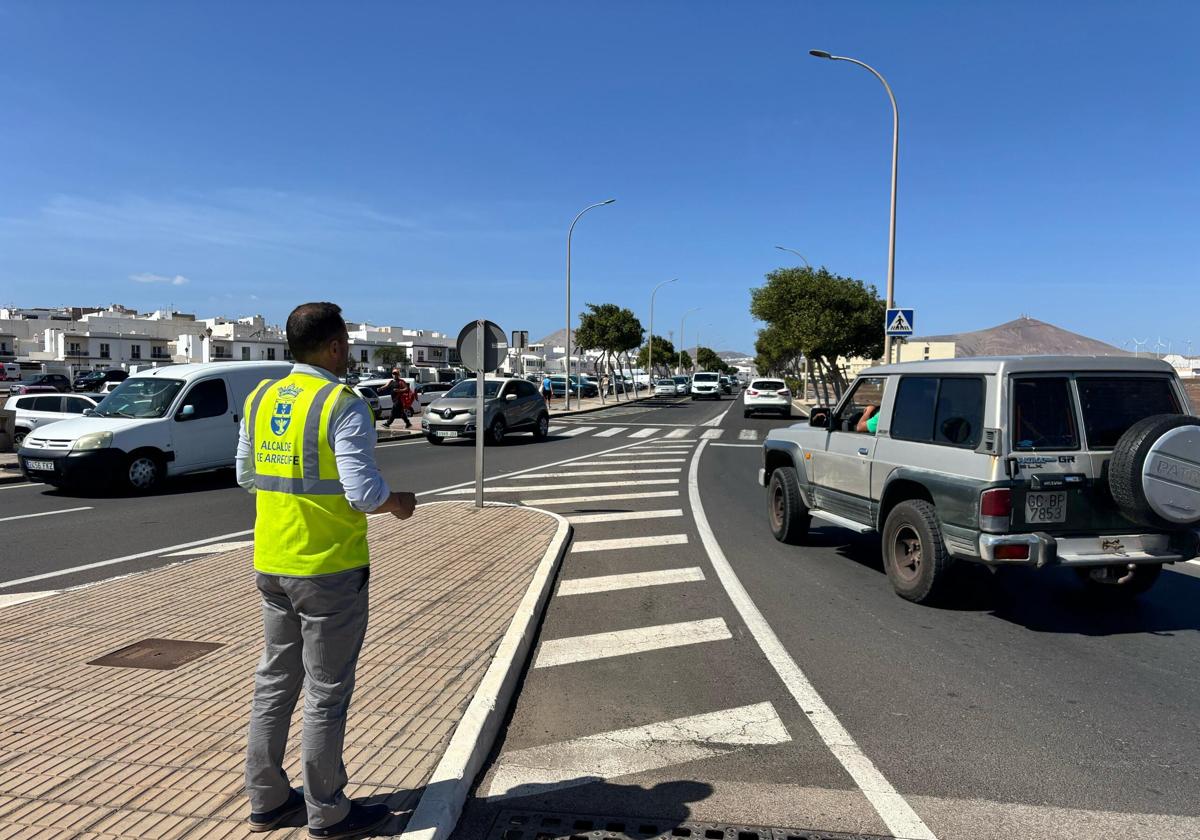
(402,399)
(547,389)
(306,450)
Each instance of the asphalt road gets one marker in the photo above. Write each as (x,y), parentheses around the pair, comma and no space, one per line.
(699,670)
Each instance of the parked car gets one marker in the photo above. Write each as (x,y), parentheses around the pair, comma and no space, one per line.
(427,392)
(682,385)
(34,410)
(54,381)
(584,386)
(706,384)
(1084,462)
(558,386)
(159,422)
(378,384)
(10,372)
(94,380)
(108,387)
(371,398)
(767,395)
(510,405)
(666,388)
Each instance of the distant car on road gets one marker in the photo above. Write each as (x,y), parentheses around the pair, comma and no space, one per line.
(38,381)
(666,388)
(509,405)
(34,410)
(10,372)
(706,384)
(370,398)
(726,385)
(682,385)
(767,395)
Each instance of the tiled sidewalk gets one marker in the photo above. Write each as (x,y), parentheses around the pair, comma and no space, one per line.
(89,751)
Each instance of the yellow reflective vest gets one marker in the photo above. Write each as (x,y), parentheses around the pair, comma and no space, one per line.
(304,525)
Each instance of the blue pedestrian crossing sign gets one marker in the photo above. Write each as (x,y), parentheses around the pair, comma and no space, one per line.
(899,322)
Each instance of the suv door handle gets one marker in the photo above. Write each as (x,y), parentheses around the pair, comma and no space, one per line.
(862,450)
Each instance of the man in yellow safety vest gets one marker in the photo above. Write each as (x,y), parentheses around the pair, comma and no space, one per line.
(307,451)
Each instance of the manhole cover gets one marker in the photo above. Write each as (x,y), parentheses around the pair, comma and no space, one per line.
(535,825)
(157,654)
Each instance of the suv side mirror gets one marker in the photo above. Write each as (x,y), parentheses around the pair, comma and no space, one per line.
(511,397)
(186,413)
(819,419)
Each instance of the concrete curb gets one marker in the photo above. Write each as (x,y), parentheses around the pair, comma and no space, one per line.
(440,806)
(10,476)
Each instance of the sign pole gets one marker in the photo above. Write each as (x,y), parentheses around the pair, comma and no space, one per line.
(479,415)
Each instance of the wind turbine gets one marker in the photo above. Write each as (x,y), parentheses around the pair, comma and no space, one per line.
(1138,344)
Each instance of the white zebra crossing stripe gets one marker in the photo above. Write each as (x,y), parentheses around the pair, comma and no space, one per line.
(616,430)
(603,497)
(678,433)
(645,433)
(621,516)
(625,642)
(597,472)
(628,461)
(634,750)
(748,434)
(582,546)
(578,430)
(634,580)
(712,434)
(580,485)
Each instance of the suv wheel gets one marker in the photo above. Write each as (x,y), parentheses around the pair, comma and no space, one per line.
(143,471)
(914,553)
(786,510)
(496,431)
(1110,583)
(541,430)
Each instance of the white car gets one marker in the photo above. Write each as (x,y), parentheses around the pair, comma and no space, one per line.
(706,384)
(666,388)
(385,400)
(33,410)
(160,422)
(767,395)
(682,385)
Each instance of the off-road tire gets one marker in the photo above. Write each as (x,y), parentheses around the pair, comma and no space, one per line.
(926,581)
(1144,577)
(144,471)
(541,429)
(1125,468)
(786,511)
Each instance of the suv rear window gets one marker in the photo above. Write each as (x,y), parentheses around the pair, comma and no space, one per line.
(1043,415)
(1112,404)
(768,384)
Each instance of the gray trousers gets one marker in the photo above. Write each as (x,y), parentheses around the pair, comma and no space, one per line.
(314,628)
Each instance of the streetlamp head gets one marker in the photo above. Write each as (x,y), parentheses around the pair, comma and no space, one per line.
(819,54)
(608,201)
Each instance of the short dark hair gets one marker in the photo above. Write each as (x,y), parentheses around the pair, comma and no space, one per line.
(312,324)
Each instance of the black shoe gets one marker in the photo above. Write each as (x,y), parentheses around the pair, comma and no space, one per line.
(360,820)
(267,820)
(388,424)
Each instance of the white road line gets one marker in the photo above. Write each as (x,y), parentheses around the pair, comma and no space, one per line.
(579,485)
(626,642)
(623,515)
(678,433)
(595,472)
(605,497)
(578,430)
(153,553)
(23,486)
(634,580)
(212,548)
(748,434)
(615,430)
(582,546)
(897,814)
(743,445)
(680,460)
(634,750)
(712,434)
(44,513)
(645,433)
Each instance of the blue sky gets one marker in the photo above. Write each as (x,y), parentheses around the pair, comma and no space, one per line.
(420,163)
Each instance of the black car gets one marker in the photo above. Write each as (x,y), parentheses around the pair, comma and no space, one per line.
(94,380)
(45,380)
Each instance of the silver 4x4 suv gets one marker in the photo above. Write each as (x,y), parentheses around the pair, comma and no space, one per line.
(509,405)
(1087,462)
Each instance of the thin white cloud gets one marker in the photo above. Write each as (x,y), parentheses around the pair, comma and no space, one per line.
(164,279)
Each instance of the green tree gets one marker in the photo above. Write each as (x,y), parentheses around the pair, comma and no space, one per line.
(664,356)
(391,356)
(609,328)
(707,359)
(815,314)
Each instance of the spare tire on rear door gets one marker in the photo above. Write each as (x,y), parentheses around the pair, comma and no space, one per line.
(1154,473)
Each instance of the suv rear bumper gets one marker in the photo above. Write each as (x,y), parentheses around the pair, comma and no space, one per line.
(1106,550)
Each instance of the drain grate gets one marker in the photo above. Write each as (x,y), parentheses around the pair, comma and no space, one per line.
(156,654)
(535,825)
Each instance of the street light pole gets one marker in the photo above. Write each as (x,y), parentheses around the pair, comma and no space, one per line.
(797,253)
(891,272)
(571,231)
(650,346)
(681,323)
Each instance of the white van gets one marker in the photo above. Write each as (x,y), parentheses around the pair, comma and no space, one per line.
(160,422)
(9,372)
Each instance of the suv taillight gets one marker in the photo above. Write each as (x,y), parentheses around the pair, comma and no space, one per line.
(995,509)
(784,392)
(752,392)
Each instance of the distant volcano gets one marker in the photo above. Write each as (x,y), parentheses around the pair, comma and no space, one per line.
(1024,337)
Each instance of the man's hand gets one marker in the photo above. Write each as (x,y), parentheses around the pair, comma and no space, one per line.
(399,505)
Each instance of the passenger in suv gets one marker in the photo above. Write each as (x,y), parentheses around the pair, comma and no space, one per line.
(1086,462)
